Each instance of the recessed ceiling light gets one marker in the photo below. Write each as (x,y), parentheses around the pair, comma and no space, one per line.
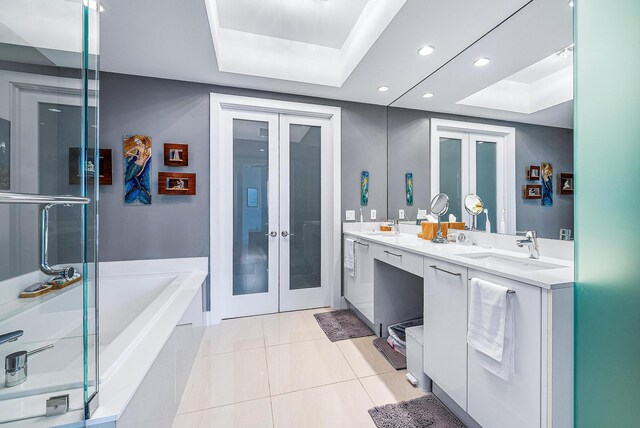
(480,62)
(571,3)
(427,95)
(426,50)
(55,110)
(383,88)
(262,150)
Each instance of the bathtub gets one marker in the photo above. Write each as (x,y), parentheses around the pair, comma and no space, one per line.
(142,312)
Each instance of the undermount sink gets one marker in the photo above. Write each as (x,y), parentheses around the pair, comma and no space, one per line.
(511,261)
(380,233)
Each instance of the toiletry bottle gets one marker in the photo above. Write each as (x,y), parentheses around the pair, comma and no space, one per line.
(503,224)
(487,224)
(361,221)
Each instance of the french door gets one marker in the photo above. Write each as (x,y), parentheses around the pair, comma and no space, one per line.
(273,191)
(469,162)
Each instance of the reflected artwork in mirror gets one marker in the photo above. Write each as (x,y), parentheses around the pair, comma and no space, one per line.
(364,188)
(408,178)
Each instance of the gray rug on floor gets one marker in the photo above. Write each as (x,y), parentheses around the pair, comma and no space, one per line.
(341,325)
(423,412)
(395,358)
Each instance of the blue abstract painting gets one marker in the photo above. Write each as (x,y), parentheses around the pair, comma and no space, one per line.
(137,170)
(364,188)
(547,184)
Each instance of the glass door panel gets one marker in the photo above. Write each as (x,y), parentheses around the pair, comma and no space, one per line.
(301,210)
(304,206)
(250,207)
(452,177)
(248,258)
(486,180)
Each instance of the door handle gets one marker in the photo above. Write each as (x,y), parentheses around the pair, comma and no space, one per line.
(273,234)
(285,234)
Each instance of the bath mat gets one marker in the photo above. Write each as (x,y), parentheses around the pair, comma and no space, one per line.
(395,358)
(342,324)
(424,412)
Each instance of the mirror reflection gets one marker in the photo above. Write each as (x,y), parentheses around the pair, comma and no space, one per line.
(494,123)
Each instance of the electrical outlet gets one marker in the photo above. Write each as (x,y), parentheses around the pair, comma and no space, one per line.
(373,214)
(401,214)
(350,215)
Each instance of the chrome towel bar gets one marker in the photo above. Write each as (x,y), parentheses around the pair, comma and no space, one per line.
(508,291)
(29,198)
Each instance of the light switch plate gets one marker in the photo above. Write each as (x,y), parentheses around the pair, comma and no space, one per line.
(401,214)
(350,215)
(373,214)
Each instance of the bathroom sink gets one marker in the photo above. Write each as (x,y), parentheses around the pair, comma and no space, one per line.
(511,261)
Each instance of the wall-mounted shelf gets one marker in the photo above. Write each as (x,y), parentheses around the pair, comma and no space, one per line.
(176,183)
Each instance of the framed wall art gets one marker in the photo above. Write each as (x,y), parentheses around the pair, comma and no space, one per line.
(176,154)
(105,167)
(137,170)
(176,183)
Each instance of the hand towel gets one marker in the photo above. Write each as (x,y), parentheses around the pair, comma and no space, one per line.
(491,326)
(350,256)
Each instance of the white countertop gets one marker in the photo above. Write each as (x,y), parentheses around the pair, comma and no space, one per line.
(554,278)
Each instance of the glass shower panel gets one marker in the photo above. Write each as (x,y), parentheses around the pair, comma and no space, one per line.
(48,279)
(486,180)
(451,173)
(304,206)
(250,207)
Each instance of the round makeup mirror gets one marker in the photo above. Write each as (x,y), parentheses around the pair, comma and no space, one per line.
(474,207)
(439,206)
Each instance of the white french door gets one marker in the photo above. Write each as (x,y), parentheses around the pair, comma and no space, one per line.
(468,162)
(271,193)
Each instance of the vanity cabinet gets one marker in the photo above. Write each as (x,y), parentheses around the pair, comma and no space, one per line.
(358,289)
(445,327)
(494,402)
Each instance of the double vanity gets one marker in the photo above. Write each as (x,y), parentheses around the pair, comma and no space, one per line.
(398,276)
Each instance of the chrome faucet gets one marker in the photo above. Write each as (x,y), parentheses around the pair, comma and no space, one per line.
(16,367)
(531,243)
(10,337)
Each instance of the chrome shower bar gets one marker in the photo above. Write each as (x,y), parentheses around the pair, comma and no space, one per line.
(29,198)
(48,202)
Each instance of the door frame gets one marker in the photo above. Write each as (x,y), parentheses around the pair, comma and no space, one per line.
(507,155)
(330,235)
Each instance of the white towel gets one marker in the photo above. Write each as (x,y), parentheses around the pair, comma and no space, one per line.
(350,256)
(491,326)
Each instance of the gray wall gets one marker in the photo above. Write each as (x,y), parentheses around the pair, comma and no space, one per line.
(409,152)
(173,111)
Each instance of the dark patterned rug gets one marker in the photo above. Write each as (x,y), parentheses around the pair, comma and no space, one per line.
(423,412)
(342,324)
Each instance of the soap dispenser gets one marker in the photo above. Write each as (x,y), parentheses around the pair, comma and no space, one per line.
(487,224)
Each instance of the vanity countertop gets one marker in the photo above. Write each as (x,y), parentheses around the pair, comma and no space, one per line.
(560,276)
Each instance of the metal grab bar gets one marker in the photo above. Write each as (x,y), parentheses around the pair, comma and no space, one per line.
(392,254)
(360,243)
(48,202)
(29,198)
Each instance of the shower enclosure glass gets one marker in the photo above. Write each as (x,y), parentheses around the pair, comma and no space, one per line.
(49,176)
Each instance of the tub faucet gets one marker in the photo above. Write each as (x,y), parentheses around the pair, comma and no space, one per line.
(10,337)
(531,243)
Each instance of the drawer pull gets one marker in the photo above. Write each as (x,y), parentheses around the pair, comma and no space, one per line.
(445,271)
(392,254)
(360,243)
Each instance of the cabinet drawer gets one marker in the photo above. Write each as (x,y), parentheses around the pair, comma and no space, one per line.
(404,260)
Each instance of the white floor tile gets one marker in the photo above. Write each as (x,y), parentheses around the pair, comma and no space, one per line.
(217,380)
(363,357)
(248,414)
(340,405)
(390,388)
(301,365)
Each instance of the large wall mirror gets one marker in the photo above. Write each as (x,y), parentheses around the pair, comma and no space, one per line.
(495,121)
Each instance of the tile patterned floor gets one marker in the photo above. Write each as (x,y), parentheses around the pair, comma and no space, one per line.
(281,371)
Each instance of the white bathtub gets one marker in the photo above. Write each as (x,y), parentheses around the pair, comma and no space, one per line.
(138,314)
